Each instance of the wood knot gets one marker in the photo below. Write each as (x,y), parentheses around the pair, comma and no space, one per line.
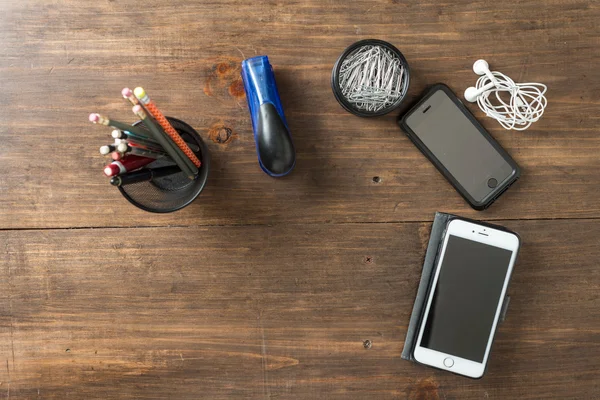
(426,389)
(223,68)
(221,134)
(224,75)
(236,89)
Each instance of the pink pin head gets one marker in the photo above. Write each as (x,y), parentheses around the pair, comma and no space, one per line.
(137,109)
(127,92)
(94,117)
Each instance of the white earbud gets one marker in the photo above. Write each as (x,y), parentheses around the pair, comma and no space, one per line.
(472,93)
(481,67)
(493,90)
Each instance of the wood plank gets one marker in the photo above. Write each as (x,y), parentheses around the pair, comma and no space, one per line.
(64,59)
(278,312)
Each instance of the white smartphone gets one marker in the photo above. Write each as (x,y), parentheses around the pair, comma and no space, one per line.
(465,300)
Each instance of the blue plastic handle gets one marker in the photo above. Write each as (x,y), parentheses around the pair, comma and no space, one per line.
(274,146)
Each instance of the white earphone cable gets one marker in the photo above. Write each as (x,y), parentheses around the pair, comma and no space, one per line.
(526,105)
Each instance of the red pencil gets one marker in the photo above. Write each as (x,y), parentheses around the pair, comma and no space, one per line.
(126,164)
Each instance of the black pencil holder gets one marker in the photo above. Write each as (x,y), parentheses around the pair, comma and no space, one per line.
(170,193)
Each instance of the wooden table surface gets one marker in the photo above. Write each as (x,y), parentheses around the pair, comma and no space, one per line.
(267,288)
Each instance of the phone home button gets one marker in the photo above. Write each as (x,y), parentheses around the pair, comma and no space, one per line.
(448,362)
(492,183)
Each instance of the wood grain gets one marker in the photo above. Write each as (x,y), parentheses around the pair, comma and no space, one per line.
(268,288)
(278,312)
(64,59)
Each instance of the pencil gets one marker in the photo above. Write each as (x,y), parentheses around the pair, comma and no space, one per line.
(127,164)
(132,143)
(126,149)
(180,159)
(105,150)
(117,134)
(99,119)
(144,175)
(143,97)
(128,94)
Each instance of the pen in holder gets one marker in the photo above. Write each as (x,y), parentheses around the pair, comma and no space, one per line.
(163,194)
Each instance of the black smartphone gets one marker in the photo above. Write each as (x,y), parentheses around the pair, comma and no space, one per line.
(460,147)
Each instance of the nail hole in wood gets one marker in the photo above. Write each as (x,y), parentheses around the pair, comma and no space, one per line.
(367,344)
(376,179)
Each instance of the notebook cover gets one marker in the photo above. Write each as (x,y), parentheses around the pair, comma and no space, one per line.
(438,229)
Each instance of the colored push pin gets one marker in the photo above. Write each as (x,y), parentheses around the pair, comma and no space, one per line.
(274,146)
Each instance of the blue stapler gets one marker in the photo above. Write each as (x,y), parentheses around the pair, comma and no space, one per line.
(274,146)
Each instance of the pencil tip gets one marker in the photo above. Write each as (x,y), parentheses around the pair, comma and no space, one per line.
(94,117)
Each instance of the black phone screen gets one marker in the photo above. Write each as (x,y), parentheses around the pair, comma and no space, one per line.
(466,298)
(458,145)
